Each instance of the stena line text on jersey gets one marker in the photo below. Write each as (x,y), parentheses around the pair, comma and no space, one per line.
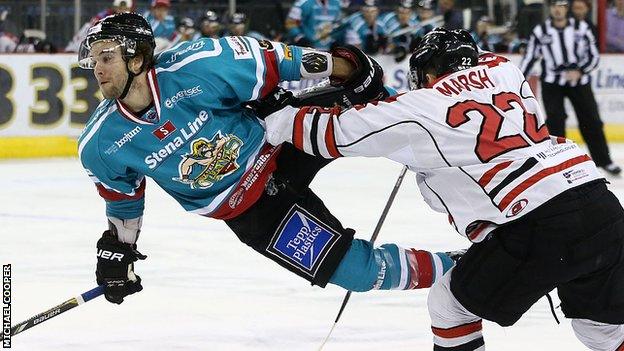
(157,157)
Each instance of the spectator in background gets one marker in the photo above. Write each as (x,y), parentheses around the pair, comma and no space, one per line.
(366,31)
(311,22)
(580,10)
(426,12)
(185,31)
(529,16)
(453,18)
(118,6)
(8,41)
(509,41)
(209,26)
(163,24)
(615,27)
(482,36)
(237,26)
(397,25)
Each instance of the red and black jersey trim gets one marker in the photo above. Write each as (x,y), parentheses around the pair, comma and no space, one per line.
(621,347)
(459,332)
(526,166)
(314,132)
(539,176)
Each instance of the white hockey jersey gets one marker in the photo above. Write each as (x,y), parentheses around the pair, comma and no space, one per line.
(476,140)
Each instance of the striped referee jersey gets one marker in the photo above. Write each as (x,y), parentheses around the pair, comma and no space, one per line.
(572,47)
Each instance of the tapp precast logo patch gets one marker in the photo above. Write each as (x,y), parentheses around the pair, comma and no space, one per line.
(303,241)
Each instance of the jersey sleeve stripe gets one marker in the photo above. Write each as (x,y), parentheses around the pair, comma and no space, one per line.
(425,268)
(112,195)
(272,72)
(314,133)
(513,194)
(487,176)
(330,140)
(297,136)
(255,50)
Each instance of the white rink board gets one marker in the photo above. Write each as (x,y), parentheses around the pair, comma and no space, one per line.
(204,290)
(48,95)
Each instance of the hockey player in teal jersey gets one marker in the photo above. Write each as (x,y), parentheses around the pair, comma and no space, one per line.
(179,118)
(367,31)
(310,22)
(400,19)
(163,24)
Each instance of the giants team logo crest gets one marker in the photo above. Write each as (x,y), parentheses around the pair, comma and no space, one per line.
(209,160)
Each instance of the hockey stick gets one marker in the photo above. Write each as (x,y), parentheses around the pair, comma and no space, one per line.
(380,222)
(56,310)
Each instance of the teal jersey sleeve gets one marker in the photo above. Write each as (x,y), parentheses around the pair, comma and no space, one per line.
(122,188)
(240,69)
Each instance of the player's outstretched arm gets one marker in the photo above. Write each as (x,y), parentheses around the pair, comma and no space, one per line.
(378,129)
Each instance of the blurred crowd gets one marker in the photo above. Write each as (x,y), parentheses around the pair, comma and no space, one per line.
(324,23)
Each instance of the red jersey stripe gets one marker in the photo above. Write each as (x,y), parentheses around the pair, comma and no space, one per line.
(539,176)
(271,76)
(330,139)
(487,176)
(459,331)
(111,195)
(297,136)
(475,233)
(424,269)
(621,348)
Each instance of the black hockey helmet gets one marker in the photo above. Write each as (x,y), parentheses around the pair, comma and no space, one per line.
(445,51)
(237,18)
(209,16)
(128,29)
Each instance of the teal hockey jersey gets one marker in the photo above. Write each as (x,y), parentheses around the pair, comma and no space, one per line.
(197,141)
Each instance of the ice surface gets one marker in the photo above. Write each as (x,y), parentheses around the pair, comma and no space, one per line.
(204,290)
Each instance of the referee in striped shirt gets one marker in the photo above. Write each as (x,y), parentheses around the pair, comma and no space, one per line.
(568,52)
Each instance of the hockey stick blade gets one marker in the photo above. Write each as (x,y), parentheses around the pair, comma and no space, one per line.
(380,222)
(56,310)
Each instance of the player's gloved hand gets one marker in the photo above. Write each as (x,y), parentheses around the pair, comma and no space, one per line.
(115,267)
(365,83)
(274,101)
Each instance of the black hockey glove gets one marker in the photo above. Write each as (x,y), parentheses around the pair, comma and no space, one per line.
(274,101)
(364,84)
(115,267)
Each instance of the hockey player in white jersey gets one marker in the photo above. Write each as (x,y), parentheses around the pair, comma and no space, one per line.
(537,210)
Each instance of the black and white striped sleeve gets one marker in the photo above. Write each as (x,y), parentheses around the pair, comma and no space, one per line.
(378,129)
(533,53)
(590,61)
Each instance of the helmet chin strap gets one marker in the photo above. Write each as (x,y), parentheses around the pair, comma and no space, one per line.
(128,82)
